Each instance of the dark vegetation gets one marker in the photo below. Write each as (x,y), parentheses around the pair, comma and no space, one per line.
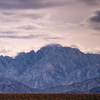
(49,96)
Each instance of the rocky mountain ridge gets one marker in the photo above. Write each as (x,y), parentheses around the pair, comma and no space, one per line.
(51,66)
(88,86)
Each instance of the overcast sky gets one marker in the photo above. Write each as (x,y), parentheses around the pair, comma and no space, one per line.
(30,24)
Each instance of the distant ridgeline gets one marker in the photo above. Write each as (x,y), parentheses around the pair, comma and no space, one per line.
(51,66)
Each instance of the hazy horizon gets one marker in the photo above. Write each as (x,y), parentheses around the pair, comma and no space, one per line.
(14,56)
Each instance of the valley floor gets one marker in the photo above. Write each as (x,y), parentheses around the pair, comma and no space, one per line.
(47,96)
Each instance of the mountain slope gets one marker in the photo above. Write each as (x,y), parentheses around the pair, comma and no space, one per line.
(88,86)
(12,86)
(95,90)
(4,62)
(53,65)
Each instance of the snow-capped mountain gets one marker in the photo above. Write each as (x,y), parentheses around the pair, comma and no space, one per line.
(51,66)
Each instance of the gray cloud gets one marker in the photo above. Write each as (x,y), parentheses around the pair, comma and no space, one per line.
(32,15)
(3,50)
(7,13)
(95,34)
(20,37)
(94,51)
(30,4)
(94,20)
(90,2)
(46,37)
(28,27)
(7,32)
(53,38)
(78,46)
(6,16)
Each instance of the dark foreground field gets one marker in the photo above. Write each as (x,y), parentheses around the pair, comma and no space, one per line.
(49,96)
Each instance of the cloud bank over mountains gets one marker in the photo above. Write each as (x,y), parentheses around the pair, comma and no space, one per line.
(34,23)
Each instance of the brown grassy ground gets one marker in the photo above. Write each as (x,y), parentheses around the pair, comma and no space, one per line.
(49,96)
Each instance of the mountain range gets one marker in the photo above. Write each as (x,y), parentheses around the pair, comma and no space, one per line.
(88,86)
(51,66)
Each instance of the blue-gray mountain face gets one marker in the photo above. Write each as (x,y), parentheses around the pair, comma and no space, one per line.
(51,66)
(12,86)
(88,86)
